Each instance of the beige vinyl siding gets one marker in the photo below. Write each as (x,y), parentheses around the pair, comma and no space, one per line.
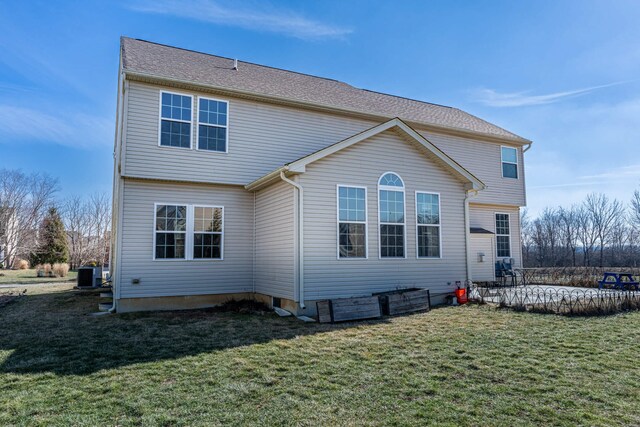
(484,160)
(264,136)
(326,276)
(484,216)
(483,271)
(181,277)
(275,241)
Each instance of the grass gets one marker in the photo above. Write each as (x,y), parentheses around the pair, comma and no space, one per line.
(30,276)
(472,365)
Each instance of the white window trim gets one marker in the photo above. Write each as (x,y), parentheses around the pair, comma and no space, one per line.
(404,223)
(495,225)
(365,222)
(502,160)
(439,225)
(189,233)
(226,126)
(160,118)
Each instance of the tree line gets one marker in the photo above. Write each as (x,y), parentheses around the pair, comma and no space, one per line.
(599,231)
(37,226)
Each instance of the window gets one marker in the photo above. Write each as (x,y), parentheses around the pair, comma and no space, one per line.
(428,223)
(207,232)
(503,238)
(509,162)
(188,232)
(391,216)
(352,222)
(212,125)
(171,230)
(175,120)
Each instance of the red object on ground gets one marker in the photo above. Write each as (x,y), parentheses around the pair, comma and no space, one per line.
(461,295)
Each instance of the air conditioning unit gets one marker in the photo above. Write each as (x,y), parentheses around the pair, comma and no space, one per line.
(89,277)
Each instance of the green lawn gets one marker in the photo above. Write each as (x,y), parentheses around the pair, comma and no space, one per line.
(24,277)
(471,365)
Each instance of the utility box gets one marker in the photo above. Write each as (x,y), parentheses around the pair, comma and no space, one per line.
(89,277)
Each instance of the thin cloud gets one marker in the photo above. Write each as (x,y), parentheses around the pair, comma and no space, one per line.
(492,98)
(256,17)
(73,130)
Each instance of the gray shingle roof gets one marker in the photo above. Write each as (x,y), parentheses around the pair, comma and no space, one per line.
(145,57)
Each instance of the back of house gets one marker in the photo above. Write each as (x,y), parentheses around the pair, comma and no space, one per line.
(237,180)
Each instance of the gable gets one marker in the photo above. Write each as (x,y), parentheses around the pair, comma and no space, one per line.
(396,125)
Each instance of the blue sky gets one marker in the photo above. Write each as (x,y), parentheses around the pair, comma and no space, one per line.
(561,73)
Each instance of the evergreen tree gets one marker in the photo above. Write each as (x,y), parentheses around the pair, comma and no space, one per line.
(52,245)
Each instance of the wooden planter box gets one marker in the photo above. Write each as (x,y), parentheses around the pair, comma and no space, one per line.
(387,303)
(345,309)
(409,301)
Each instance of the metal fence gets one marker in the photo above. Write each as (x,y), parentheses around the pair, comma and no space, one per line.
(558,300)
(587,277)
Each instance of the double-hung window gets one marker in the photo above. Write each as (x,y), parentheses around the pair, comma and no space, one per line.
(391,216)
(207,232)
(428,223)
(188,232)
(170,231)
(503,235)
(509,162)
(352,222)
(175,120)
(213,119)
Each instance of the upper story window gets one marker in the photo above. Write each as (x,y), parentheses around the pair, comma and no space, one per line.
(352,222)
(503,235)
(509,162)
(428,223)
(213,120)
(391,216)
(175,120)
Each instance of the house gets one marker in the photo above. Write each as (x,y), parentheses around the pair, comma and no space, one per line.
(237,180)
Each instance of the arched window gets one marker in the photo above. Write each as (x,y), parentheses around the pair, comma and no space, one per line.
(391,216)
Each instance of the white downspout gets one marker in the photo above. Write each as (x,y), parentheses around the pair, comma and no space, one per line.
(300,212)
(467,232)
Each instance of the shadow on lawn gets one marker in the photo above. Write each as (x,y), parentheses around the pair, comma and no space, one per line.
(53,333)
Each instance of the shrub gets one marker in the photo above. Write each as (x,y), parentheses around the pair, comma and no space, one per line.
(60,269)
(21,264)
(47,269)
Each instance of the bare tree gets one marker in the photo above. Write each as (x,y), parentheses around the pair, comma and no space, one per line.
(604,214)
(569,223)
(24,199)
(586,233)
(88,223)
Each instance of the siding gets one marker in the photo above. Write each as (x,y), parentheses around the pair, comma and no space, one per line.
(484,216)
(484,160)
(275,241)
(175,277)
(262,137)
(362,165)
(483,271)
